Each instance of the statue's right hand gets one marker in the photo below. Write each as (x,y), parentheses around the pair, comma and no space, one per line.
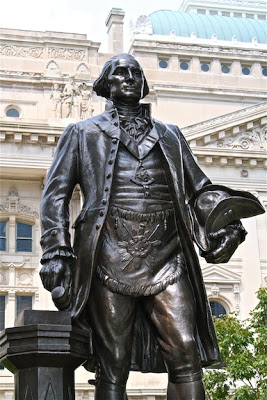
(56,272)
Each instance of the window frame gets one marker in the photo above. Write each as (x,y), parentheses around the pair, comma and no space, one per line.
(221,303)
(167,60)
(13,107)
(5,220)
(20,221)
(20,295)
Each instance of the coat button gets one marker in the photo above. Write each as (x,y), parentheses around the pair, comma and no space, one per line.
(97,226)
(113,114)
(54,232)
(116,123)
(106,189)
(114,141)
(104,201)
(108,176)
(110,161)
(101,213)
(113,151)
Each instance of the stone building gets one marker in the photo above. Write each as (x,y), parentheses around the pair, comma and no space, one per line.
(206,67)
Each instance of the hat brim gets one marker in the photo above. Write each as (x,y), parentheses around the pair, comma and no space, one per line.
(239,205)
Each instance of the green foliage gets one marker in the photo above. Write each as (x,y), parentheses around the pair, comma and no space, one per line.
(216,385)
(243,346)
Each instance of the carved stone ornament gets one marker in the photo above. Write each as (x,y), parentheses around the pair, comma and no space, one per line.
(252,140)
(215,290)
(52,66)
(13,205)
(13,264)
(19,51)
(234,116)
(143,25)
(83,69)
(66,53)
(24,278)
(3,280)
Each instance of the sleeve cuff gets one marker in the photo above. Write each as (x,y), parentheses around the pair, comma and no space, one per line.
(57,253)
(54,239)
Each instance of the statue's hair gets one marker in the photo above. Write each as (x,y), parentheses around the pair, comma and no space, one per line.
(101,85)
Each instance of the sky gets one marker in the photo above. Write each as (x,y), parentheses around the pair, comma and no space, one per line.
(76,16)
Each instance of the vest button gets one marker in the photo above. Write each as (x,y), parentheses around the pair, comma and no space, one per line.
(54,232)
(116,123)
(114,141)
(97,226)
(106,189)
(110,162)
(113,114)
(108,176)
(104,201)
(101,213)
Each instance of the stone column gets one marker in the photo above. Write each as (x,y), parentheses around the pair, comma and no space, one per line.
(42,351)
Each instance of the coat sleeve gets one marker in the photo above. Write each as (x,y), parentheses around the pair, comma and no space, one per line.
(60,183)
(194,177)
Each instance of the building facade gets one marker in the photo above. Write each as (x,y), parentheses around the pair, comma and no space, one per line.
(208,77)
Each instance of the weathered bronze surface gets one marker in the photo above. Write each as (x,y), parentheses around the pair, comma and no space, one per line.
(132,277)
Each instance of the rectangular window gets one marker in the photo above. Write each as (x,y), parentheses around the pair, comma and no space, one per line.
(2,316)
(2,312)
(24,237)
(2,236)
(23,303)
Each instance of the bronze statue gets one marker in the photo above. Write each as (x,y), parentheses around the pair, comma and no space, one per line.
(132,276)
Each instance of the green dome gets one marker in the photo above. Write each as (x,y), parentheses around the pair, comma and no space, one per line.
(204,26)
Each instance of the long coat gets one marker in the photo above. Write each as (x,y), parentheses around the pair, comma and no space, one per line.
(86,155)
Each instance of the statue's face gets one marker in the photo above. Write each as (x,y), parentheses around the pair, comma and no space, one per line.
(126,80)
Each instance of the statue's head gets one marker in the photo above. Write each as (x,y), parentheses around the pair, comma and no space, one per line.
(122,79)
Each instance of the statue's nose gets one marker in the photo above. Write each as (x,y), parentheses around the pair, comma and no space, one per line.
(129,75)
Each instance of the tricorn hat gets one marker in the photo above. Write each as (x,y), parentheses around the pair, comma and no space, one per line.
(216,206)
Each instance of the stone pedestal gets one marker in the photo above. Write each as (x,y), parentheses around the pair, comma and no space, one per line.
(42,351)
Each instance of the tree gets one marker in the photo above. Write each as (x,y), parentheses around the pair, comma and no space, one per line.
(243,346)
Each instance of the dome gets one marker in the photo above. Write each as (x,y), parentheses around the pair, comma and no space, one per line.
(205,26)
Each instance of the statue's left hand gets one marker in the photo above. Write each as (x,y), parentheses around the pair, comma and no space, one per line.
(228,240)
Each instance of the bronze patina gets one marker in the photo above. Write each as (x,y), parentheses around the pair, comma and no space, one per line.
(132,277)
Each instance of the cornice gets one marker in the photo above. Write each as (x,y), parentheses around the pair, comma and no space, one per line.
(214,125)
(175,89)
(236,139)
(145,43)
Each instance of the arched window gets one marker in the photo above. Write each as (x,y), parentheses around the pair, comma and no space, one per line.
(12,112)
(217,309)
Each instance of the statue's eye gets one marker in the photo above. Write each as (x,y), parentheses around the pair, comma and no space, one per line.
(119,71)
(137,72)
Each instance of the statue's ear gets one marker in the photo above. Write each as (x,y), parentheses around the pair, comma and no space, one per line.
(145,88)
